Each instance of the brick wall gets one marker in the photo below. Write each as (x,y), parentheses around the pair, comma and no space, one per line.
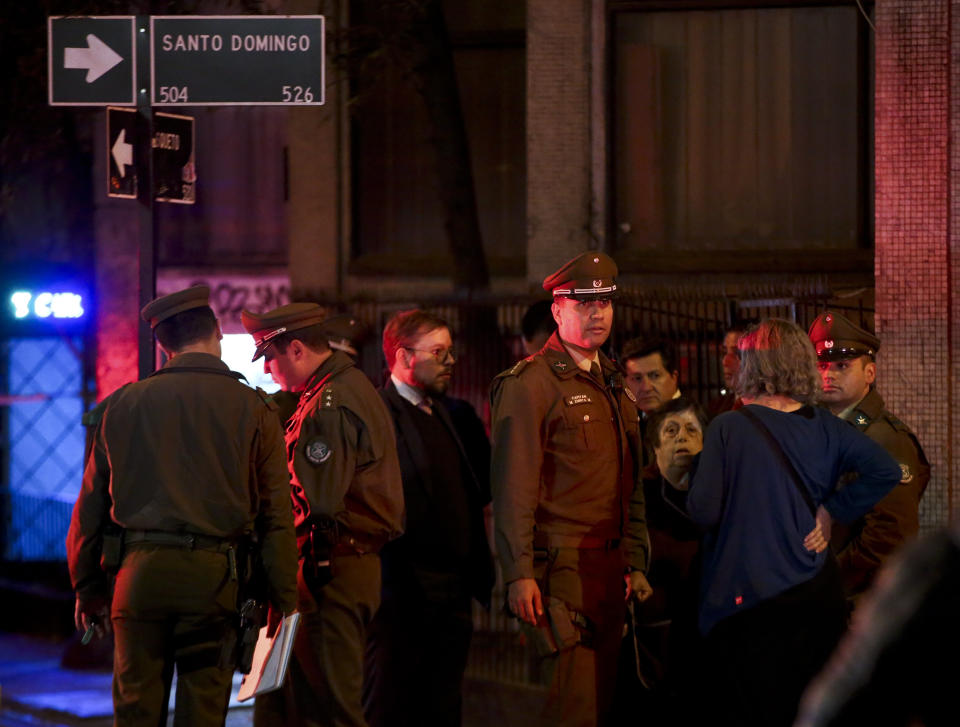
(559,72)
(916,231)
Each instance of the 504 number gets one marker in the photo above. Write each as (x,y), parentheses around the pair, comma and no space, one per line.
(173,94)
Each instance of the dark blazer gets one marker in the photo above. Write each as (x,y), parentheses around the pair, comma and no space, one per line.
(406,561)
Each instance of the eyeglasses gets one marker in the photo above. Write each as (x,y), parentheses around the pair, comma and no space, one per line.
(439,354)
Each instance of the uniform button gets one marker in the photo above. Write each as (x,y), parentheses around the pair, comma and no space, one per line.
(586,417)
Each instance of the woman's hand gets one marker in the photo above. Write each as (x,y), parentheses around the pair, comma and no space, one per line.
(818,539)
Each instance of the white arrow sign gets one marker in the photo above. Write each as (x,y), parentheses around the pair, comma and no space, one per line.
(97,58)
(122,152)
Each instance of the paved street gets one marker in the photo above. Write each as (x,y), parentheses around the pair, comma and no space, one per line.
(36,691)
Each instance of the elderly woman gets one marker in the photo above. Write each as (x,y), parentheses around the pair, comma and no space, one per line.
(666,622)
(765,488)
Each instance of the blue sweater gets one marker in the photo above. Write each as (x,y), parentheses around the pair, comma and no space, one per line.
(756,519)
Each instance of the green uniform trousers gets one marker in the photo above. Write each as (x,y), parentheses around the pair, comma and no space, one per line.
(172,607)
(324,686)
(582,678)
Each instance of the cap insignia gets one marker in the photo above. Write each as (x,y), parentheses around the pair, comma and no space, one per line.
(597,283)
(828,344)
(270,336)
(596,260)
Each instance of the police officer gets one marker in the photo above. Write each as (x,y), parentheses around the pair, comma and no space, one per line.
(846,359)
(347,503)
(187,462)
(569,518)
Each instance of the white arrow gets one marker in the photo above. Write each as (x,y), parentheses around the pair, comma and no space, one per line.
(122,152)
(97,58)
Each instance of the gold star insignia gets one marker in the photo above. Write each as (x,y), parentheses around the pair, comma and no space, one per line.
(861,420)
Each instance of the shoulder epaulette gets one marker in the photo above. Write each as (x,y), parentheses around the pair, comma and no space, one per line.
(517,368)
(93,417)
(267,399)
(328,398)
(895,421)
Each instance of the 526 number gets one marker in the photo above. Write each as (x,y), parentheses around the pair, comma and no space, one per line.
(297,94)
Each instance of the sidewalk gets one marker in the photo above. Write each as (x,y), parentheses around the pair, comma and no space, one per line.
(36,691)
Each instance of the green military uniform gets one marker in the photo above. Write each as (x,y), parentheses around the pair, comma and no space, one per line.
(863,546)
(565,466)
(187,461)
(347,502)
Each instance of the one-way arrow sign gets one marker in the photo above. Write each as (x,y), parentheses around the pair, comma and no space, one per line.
(121,136)
(122,153)
(97,58)
(174,164)
(104,47)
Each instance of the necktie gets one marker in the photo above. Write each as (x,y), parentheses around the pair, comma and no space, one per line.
(426,405)
(596,372)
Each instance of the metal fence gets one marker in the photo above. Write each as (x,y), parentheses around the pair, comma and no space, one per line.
(44,396)
(488,333)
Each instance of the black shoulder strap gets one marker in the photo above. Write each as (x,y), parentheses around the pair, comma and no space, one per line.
(781,455)
(199,370)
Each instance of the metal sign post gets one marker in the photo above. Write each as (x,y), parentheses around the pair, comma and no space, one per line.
(147,355)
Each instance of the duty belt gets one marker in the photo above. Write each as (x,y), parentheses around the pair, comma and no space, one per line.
(583,542)
(188,541)
(330,538)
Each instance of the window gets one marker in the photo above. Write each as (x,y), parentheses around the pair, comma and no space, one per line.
(397,213)
(742,129)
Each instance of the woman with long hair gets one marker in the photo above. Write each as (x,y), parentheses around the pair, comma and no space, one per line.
(765,488)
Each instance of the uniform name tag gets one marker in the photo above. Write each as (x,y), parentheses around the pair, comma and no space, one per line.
(578,399)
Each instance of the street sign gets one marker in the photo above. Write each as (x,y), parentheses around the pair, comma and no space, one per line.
(174,170)
(237,60)
(91,60)
(174,165)
(121,140)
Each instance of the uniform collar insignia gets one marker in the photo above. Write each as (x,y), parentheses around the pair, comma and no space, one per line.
(861,420)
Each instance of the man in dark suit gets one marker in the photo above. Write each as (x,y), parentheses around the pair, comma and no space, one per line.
(418,643)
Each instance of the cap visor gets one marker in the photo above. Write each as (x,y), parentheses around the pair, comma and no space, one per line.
(590,296)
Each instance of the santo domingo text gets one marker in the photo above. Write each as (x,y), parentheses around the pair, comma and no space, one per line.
(250,43)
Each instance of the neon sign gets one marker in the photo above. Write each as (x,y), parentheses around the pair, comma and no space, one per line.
(27,305)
